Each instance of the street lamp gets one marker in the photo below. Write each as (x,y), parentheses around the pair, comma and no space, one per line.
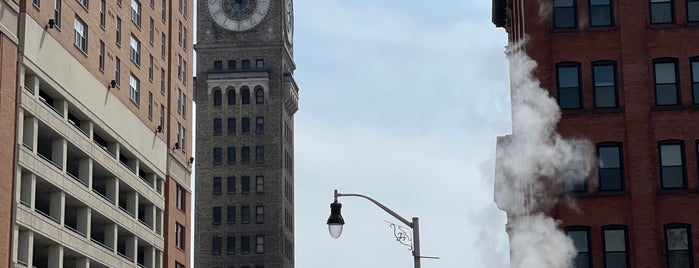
(335,223)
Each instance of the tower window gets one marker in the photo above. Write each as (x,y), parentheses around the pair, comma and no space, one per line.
(231,185)
(217,97)
(665,77)
(231,125)
(245,64)
(231,155)
(231,65)
(259,96)
(80,35)
(259,184)
(661,11)
(230,95)
(230,244)
(259,214)
(259,63)
(610,167)
(245,214)
(216,245)
(135,87)
(217,126)
(694,65)
(601,13)
(217,156)
(245,124)
(581,238)
(678,245)
(604,79)
(569,95)
(672,171)
(245,95)
(245,155)
(217,186)
(259,154)
(615,251)
(259,125)
(230,215)
(218,65)
(564,14)
(692,10)
(136,12)
(260,244)
(217,215)
(245,244)
(245,183)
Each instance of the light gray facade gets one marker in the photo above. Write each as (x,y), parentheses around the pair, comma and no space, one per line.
(244,203)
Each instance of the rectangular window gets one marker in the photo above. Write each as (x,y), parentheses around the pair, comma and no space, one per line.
(259,184)
(245,214)
(135,86)
(259,63)
(246,64)
(57,12)
(230,215)
(665,77)
(179,236)
(217,186)
(260,244)
(181,198)
(230,244)
(661,11)
(217,156)
(183,139)
(136,12)
(135,50)
(179,101)
(580,237)
(162,45)
(231,64)
(118,30)
(245,124)
(162,117)
(100,57)
(216,245)
(179,265)
(84,3)
(218,65)
(259,214)
(184,72)
(245,244)
(694,66)
(610,168)
(601,13)
(163,11)
(117,71)
(179,67)
(179,133)
(678,245)
(259,125)
(231,155)
(151,31)
(162,81)
(150,68)
(80,35)
(615,252)
(692,10)
(184,37)
(103,17)
(231,185)
(231,125)
(179,33)
(672,164)
(184,8)
(36,3)
(604,80)
(569,95)
(245,155)
(564,14)
(217,126)
(217,215)
(150,105)
(245,184)
(259,154)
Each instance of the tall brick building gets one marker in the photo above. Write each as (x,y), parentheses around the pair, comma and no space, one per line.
(95,161)
(246,99)
(626,77)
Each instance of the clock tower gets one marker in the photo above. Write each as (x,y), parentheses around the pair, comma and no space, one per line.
(246,99)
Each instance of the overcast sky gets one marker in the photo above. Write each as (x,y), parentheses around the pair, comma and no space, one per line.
(401,100)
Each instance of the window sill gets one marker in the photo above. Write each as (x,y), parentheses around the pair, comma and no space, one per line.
(594,111)
(677,191)
(666,25)
(669,108)
(607,28)
(566,30)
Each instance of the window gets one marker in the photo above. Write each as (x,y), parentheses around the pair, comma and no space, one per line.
(259,125)
(610,169)
(231,155)
(259,63)
(694,67)
(259,214)
(179,33)
(245,214)
(245,124)
(245,95)
(230,215)
(36,3)
(218,65)
(182,141)
(181,198)
(259,96)
(217,215)
(117,71)
(678,245)
(230,244)
(151,31)
(162,45)
(184,37)
(100,51)
(666,88)
(217,97)
(692,10)
(245,155)
(231,125)
(179,133)
(135,50)
(661,11)
(564,14)
(184,72)
(245,64)
(216,245)
(580,237)
(136,12)
(179,236)
(245,244)
(231,185)
(259,184)
(118,2)
(231,65)
(150,105)
(118,30)
(80,35)
(179,67)
(217,186)
(103,18)
(601,13)
(615,252)
(135,86)
(162,81)
(604,80)
(260,244)
(245,184)
(569,95)
(179,265)
(217,126)
(150,68)
(217,156)
(57,12)
(84,3)
(163,11)
(162,117)
(259,154)
(672,164)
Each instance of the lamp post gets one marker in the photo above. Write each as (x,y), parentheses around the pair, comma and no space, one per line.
(335,223)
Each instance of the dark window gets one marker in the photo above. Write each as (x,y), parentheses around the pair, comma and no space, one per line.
(610,167)
(694,66)
(217,97)
(217,127)
(179,236)
(259,96)
(231,96)
(259,214)
(245,244)
(564,14)
(245,214)
(581,238)
(230,215)
(245,95)
(666,88)
(231,125)
(231,65)
(217,156)
(604,79)
(231,155)
(216,245)
(661,11)
(672,164)
(692,10)
(601,13)
(678,245)
(231,185)
(245,155)
(179,265)
(245,124)
(245,183)
(259,125)
(217,185)
(218,65)
(181,198)
(569,95)
(230,244)
(245,64)
(259,63)
(259,154)
(259,184)
(217,215)
(615,252)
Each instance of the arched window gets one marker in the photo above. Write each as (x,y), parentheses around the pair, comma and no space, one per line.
(217,97)
(259,96)
(231,96)
(245,95)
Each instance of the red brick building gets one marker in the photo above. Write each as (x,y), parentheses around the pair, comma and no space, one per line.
(626,76)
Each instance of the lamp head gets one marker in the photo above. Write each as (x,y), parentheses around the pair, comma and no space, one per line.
(335,221)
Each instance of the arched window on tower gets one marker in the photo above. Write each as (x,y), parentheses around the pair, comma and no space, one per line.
(217,97)
(245,95)
(259,95)
(231,96)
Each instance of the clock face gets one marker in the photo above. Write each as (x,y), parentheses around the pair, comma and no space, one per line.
(238,15)
(289,20)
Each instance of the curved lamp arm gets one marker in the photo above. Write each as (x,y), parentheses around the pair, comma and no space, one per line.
(388,210)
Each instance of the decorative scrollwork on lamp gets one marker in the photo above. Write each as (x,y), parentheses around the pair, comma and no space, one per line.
(401,234)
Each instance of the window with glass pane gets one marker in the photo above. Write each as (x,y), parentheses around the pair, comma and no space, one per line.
(259,125)
(231,185)
(217,127)
(217,215)
(564,14)
(217,156)
(245,95)
(245,183)
(582,246)
(230,244)
(231,96)
(661,11)
(231,65)
(218,65)
(260,244)
(245,244)
(245,124)
(666,89)
(260,154)
(672,164)
(216,245)
(693,10)
(230,215)
(601,13)
(230,151)
(245,155)
(231,125)
(259,96)
(136,12)
(569,86)
(694,65)
(604,79)
(615,253)
(217,97)
(80,35)
(245,214)
(217,186)
(135,87)
(259,184)
(678,246)
(135,50)
(610,172)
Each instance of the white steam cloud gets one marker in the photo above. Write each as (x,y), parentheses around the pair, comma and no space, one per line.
(534,164)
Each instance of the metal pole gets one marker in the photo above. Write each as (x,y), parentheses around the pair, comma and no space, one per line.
(416,242)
